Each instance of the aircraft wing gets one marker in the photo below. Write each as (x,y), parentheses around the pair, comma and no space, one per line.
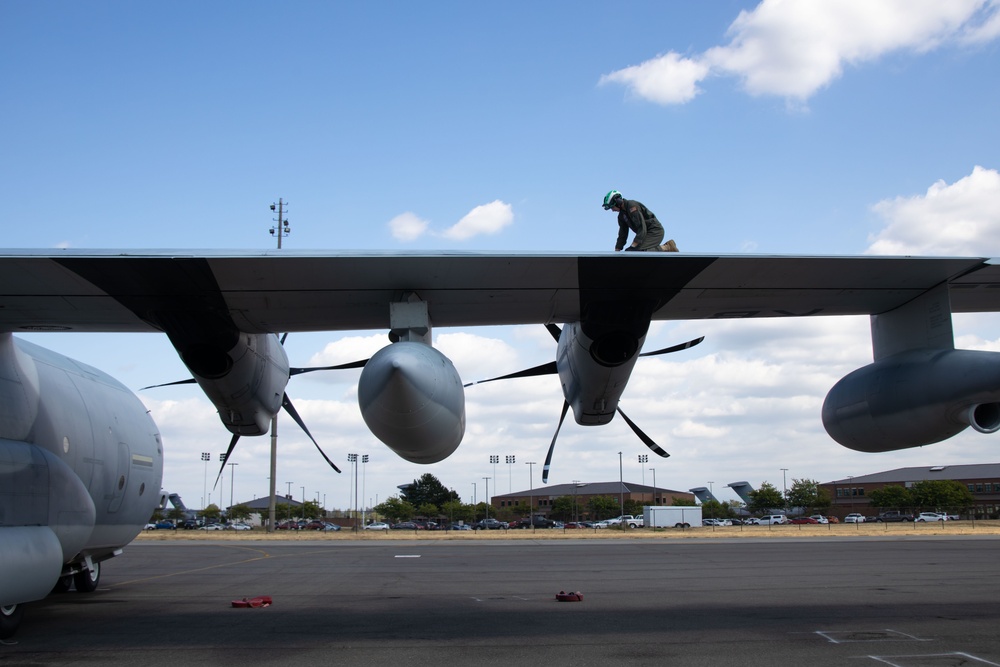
(287,291)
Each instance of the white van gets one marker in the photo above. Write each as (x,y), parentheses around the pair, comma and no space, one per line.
(773,520)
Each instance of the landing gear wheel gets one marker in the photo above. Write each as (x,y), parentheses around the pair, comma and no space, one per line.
(63,584)
(10,619)
(87,580)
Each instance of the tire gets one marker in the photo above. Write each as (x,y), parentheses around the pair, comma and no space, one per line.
(86,581)
(10,619)
(633,525)
(63,584)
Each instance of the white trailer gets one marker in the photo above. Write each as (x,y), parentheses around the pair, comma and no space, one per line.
(674,516)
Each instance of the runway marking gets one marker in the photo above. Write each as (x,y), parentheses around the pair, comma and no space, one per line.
(263,555)
(849,636)
(407,556)
(930,659)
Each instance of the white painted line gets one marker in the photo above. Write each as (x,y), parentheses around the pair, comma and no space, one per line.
(407,556)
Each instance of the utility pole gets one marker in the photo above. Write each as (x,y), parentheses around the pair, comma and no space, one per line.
(282,230)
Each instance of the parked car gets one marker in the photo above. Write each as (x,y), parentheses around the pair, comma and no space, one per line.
(329,527)
(930,516)
(239,526)
(377,525)
(716,522)
(407,525)
(751,521)
(460,526)
(804,520)
(854,517)
(488,524)
(773,520)
(165,525)
(833,519)
(150,526)
(820,518)
(212,526)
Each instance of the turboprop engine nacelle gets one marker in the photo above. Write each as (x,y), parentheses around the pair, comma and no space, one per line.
(595,371)
(915,398)
(412,399)
(245,383)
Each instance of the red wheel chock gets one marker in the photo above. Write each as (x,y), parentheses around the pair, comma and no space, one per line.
(563,596)
(254,602)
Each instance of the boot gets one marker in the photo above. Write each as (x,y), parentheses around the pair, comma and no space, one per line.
(669,246)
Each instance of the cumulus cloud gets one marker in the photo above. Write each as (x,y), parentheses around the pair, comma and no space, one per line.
(962,219)
(792,49)
(486,219)
(407,227)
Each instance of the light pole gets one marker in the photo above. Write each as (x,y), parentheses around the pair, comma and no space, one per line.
(206,457)
(364,460)
(232,480)
(494,460)
(510,483)
(621,488)
(473,499)
(288,500)
(531,493)
(488,495)
(353,458)
(784,487)
(654,497)
(643,458)
(282,230)
(576,484)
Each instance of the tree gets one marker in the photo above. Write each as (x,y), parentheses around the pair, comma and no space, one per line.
(893,497)
(428,510)
(682,502)
(808,494)
(240,512)
(427,489)
(310,509)
(176,514)
(603,507)
(766,498)
(395,509)
(457,511)
(713,509)
(633,507)
(563,510)
(211,513)
(943,494)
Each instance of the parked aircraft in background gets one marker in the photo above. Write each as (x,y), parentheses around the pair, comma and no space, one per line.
(81,461)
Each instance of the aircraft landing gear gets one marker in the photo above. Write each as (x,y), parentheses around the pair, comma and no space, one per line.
(10,618)
(86,580)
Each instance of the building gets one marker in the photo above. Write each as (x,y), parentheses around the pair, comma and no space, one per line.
(982,479)
(541,499)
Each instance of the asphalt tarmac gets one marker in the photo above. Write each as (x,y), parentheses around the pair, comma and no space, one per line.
(915,601)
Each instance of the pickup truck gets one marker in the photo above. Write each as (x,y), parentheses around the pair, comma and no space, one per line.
(886,517)
(628,520)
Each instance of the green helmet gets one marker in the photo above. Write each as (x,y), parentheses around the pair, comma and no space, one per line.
(611,199)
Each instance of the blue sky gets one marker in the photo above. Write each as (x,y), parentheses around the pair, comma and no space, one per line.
(839,127)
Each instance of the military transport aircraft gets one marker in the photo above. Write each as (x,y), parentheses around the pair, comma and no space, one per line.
(81,461)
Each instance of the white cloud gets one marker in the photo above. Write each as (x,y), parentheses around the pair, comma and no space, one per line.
(407,227)
(668,79)
(793,48)
(486,219)
(960,219)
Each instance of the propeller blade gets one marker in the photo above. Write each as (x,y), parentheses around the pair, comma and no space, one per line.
(673,348)
(169,384)
(286,403)
(554,330)
(545,369)
(642,436)
(552,445)
(283,337)
(339,367)
(232,445)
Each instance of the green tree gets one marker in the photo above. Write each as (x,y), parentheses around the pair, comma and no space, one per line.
(428,510)
(240,512)
(211,513)
(766,498)
(943,494)
(310,509)
(427,489)
(602,507)
(176,514)
(713,509)
(682,502)
(562,509)
(893,497)
(633,507)
(457,511)
(395,509)
(808,494)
